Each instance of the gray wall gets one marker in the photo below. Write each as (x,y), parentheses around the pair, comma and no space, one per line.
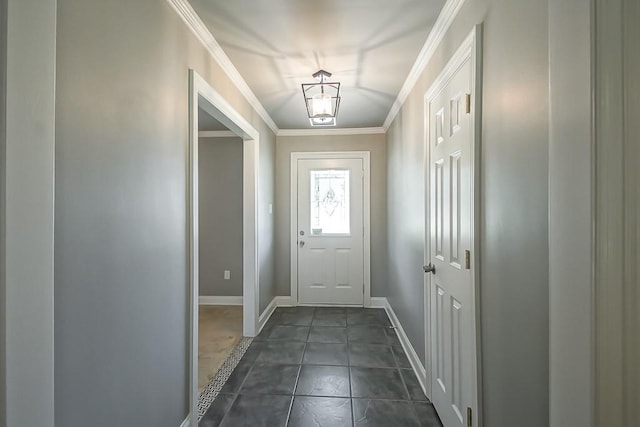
(3,120)
(376,145)
(266,223)
(29,168)
(513,207)
(121,292)
(220,226)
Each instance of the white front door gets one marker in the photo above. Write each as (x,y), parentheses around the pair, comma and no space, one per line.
(452,326)
(330,231)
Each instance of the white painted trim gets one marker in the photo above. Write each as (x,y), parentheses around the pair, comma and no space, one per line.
(445,18)
(266,314)
(186,421)
(216,134)
(221,110)
(571,214)
(378,302)
(214,300)
(284,301)
(414,359)
(469,50)
(332,131)
(184,9)
(366,200)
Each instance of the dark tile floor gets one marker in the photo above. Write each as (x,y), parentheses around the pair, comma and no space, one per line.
(323,366)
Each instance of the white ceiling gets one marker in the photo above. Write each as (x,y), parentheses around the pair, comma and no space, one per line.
(369,46)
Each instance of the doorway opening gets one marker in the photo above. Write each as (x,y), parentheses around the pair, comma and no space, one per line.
(220,244)
(330,228)
(207,106)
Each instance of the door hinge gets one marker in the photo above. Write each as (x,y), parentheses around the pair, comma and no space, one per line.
(467,260)
(467,106)
(469,417)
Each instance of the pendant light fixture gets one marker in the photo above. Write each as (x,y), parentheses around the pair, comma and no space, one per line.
(322,99)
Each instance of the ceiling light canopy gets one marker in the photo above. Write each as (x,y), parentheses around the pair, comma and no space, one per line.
(322,99)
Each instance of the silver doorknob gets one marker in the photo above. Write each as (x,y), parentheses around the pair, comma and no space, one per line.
(301,243)
(429,268)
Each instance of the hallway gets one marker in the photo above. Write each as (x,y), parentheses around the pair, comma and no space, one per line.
(326,366)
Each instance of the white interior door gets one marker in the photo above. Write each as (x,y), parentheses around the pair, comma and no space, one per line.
(453,357)
(330,231)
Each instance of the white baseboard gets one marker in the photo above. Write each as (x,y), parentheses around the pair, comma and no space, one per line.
(414,360)
(284,301)
(266,314)
(378,302)
(210,300)
(186,422)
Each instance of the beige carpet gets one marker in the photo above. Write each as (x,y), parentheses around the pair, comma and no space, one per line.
(219,331)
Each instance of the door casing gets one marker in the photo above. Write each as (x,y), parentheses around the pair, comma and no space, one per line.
(469,50)
(366,161)
(220,109)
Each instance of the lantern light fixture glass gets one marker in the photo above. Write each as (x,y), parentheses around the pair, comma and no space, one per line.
(322,99)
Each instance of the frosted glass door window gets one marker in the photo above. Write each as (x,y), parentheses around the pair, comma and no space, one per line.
(329,202)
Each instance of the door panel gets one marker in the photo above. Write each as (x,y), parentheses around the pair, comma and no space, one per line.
(330,231)
(452,322)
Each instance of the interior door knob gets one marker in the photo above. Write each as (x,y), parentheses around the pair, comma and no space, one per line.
(429,268)
(301,243)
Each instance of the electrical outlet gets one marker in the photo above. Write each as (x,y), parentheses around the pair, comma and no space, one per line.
(227,275)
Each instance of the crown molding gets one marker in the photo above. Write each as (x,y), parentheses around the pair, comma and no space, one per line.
(445,18)
(217,134)
(332,131)
(184,9)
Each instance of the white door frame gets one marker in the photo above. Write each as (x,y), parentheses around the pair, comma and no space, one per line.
(220,109)
(366,200)
(469,50)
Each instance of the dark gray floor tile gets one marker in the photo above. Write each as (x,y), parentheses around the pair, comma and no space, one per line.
(320,412)
(281,352)
(326,354)
(264,333)
(300,316)
(401,357)
(427,414)
(258,411)
(217,410)
(232,385)
(369,334)
(392,337)
(413,386)
(371,355)
(330,319)
(367,316)
(271,379)
(289,333)
(323,381)
(323,310)
(383,413)
(253,351)
(327,335)
(295,310)
(377,383)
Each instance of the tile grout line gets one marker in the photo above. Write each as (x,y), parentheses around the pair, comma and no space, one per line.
(353,414)
(295,386)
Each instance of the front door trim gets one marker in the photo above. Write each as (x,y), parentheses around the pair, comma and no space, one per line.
(365,156)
